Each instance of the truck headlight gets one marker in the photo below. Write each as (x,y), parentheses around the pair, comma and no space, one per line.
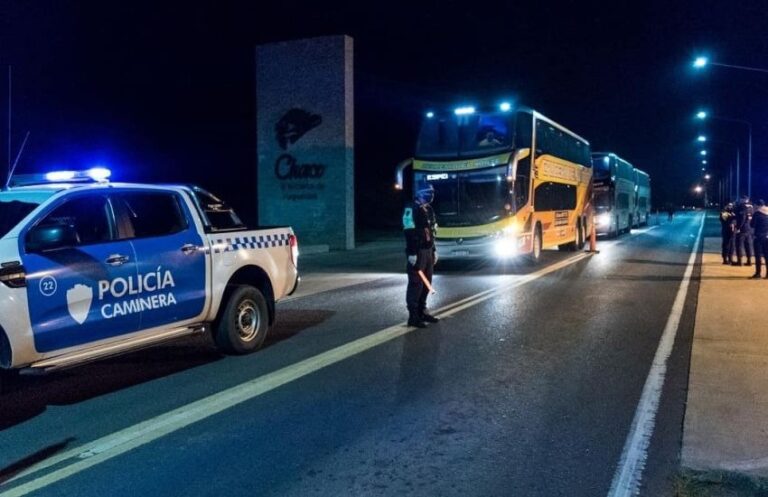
(604,219)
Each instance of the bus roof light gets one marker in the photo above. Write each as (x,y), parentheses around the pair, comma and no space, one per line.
(464,111)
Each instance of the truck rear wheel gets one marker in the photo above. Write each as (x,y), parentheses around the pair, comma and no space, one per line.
(244,322)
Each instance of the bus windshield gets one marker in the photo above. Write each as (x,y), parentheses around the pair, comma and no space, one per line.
(601,167)
(473,135)
(469,198)
(603,199)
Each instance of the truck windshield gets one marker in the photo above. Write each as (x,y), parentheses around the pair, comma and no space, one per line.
(474,135)
(15,206)
(469,198)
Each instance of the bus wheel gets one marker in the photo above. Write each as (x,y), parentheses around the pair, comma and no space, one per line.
(535,256)
(574,245)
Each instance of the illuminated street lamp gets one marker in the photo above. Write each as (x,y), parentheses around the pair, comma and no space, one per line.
(707,176)
(703,153)
(700,62)
(703,161)
(701,139)
(698,189)
(703,115)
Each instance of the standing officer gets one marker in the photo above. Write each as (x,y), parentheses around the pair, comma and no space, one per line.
(743,231)
(727,227)
(760,225)
(419,228)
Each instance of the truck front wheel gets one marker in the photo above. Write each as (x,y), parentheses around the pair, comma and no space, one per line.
(244,323)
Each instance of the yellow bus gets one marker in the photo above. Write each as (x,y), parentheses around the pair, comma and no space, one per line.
(508,182)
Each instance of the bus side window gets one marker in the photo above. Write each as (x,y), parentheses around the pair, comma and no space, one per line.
(522,185)
(521,191)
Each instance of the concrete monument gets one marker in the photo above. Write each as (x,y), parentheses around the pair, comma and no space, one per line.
(305,125)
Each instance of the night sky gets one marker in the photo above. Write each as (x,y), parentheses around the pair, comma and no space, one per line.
(164,91)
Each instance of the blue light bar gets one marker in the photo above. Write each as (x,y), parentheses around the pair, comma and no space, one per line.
(505,106)
(98,173)
(56,176)
(464,111)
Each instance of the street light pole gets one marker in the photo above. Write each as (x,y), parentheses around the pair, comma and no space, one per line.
(743,68)
(701,62)
(730,187)
(703,115)
(737,173)
(749,150)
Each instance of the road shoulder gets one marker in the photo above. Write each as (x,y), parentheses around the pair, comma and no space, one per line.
(726,420)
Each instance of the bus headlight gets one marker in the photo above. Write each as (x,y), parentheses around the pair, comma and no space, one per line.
(603,219)
(505,247)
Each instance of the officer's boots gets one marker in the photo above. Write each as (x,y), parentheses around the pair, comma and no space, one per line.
(414,319)
(427,317)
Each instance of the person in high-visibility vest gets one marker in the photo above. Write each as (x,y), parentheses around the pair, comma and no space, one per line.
(419,226)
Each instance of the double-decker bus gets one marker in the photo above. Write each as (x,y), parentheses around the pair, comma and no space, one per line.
(508,181)
(614,188)
(642,197)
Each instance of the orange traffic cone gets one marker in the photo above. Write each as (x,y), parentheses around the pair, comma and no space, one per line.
(593,239)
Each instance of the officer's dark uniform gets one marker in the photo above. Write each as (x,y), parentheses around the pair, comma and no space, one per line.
(744,210)
(760,225)
(419,228)
(727,227)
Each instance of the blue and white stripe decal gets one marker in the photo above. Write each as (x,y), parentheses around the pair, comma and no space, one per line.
(250,242)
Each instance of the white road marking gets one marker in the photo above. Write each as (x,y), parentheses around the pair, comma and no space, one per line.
(626,480)
(81,458)
(634,232)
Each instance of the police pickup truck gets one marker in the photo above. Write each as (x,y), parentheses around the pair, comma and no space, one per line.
(90,269)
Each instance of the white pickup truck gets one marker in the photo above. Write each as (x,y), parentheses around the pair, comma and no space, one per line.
(94,269)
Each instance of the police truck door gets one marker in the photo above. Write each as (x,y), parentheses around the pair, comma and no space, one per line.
(79,275)
(170,255)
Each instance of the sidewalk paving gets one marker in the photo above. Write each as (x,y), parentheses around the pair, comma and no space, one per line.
(377,255)
(726,421)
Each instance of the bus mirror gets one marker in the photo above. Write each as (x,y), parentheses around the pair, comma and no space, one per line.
(513,165)
(399,173)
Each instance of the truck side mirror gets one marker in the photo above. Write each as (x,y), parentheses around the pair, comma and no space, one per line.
(50,237)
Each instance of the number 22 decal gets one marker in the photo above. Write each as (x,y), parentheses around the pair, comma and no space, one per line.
(48,286)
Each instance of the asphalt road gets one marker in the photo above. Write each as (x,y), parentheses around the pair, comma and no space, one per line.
(527,387)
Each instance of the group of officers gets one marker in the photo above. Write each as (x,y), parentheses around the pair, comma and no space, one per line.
(744,228)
